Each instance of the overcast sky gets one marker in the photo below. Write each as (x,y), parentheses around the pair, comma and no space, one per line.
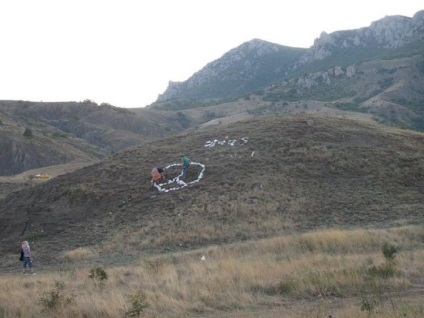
(124,52)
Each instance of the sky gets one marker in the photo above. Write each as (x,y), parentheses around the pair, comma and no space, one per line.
(124,52)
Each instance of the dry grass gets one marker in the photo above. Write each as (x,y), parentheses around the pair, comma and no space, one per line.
(325,175)
(307,275)
(78,254)
(307,173)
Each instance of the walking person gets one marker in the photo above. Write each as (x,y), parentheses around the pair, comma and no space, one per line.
(186,164)
(27,258)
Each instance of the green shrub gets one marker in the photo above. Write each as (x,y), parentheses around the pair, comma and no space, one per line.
(138,305)
(183,119)
(56,298)
(98,274)
(369,305)
(76,192)
(389,251)
(28,133)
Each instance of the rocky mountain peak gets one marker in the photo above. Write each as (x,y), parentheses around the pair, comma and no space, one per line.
(241,64)
(257,63)
(388,32)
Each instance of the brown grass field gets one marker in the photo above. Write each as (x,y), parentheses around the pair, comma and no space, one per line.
(291,223)
(315,274)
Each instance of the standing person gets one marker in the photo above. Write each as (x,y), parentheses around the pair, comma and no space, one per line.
(157,174)
(185,163)
(27,261)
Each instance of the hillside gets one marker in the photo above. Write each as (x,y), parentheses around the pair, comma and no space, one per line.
(246,68)
(64,132)
(373,72)
(376,70)
(388,90)
(257,64)
(264,177)
(307,179)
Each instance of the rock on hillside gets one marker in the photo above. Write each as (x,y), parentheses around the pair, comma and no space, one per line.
(314,172)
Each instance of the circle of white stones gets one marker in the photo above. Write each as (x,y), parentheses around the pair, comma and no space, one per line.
(181,184)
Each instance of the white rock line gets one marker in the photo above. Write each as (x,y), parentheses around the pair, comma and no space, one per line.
(229,142)
(177,180)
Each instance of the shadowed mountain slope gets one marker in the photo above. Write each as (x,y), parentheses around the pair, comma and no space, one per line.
(65,131)
(262,178)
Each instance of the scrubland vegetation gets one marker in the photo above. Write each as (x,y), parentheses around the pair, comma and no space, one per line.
(310,217)
(343,273)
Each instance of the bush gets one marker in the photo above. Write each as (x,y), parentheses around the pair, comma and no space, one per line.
(98,274)
(369,305)
(389,251)
(28,133)
(55,299)
(138,305)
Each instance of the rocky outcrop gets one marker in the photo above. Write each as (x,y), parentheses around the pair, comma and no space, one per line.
(389,32)
(256,64)
(327,77)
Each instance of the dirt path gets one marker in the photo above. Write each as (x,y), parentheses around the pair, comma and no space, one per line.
(52,171)
(26,179)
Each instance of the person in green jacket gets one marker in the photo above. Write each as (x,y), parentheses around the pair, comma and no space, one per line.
(185,163)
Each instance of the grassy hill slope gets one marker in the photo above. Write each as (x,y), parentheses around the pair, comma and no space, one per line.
(278,175)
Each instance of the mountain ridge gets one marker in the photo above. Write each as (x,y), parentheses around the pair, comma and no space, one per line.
(390,32)
(245,65)
(346,71)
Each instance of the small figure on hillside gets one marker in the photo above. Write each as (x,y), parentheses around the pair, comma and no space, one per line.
(157,174)
(27,257)
(185,164)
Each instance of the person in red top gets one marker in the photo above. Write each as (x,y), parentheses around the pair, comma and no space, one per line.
(27,261)
(157,174)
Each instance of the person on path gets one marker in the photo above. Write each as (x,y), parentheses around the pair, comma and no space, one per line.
(157,174)
(27,259)
(185,164)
